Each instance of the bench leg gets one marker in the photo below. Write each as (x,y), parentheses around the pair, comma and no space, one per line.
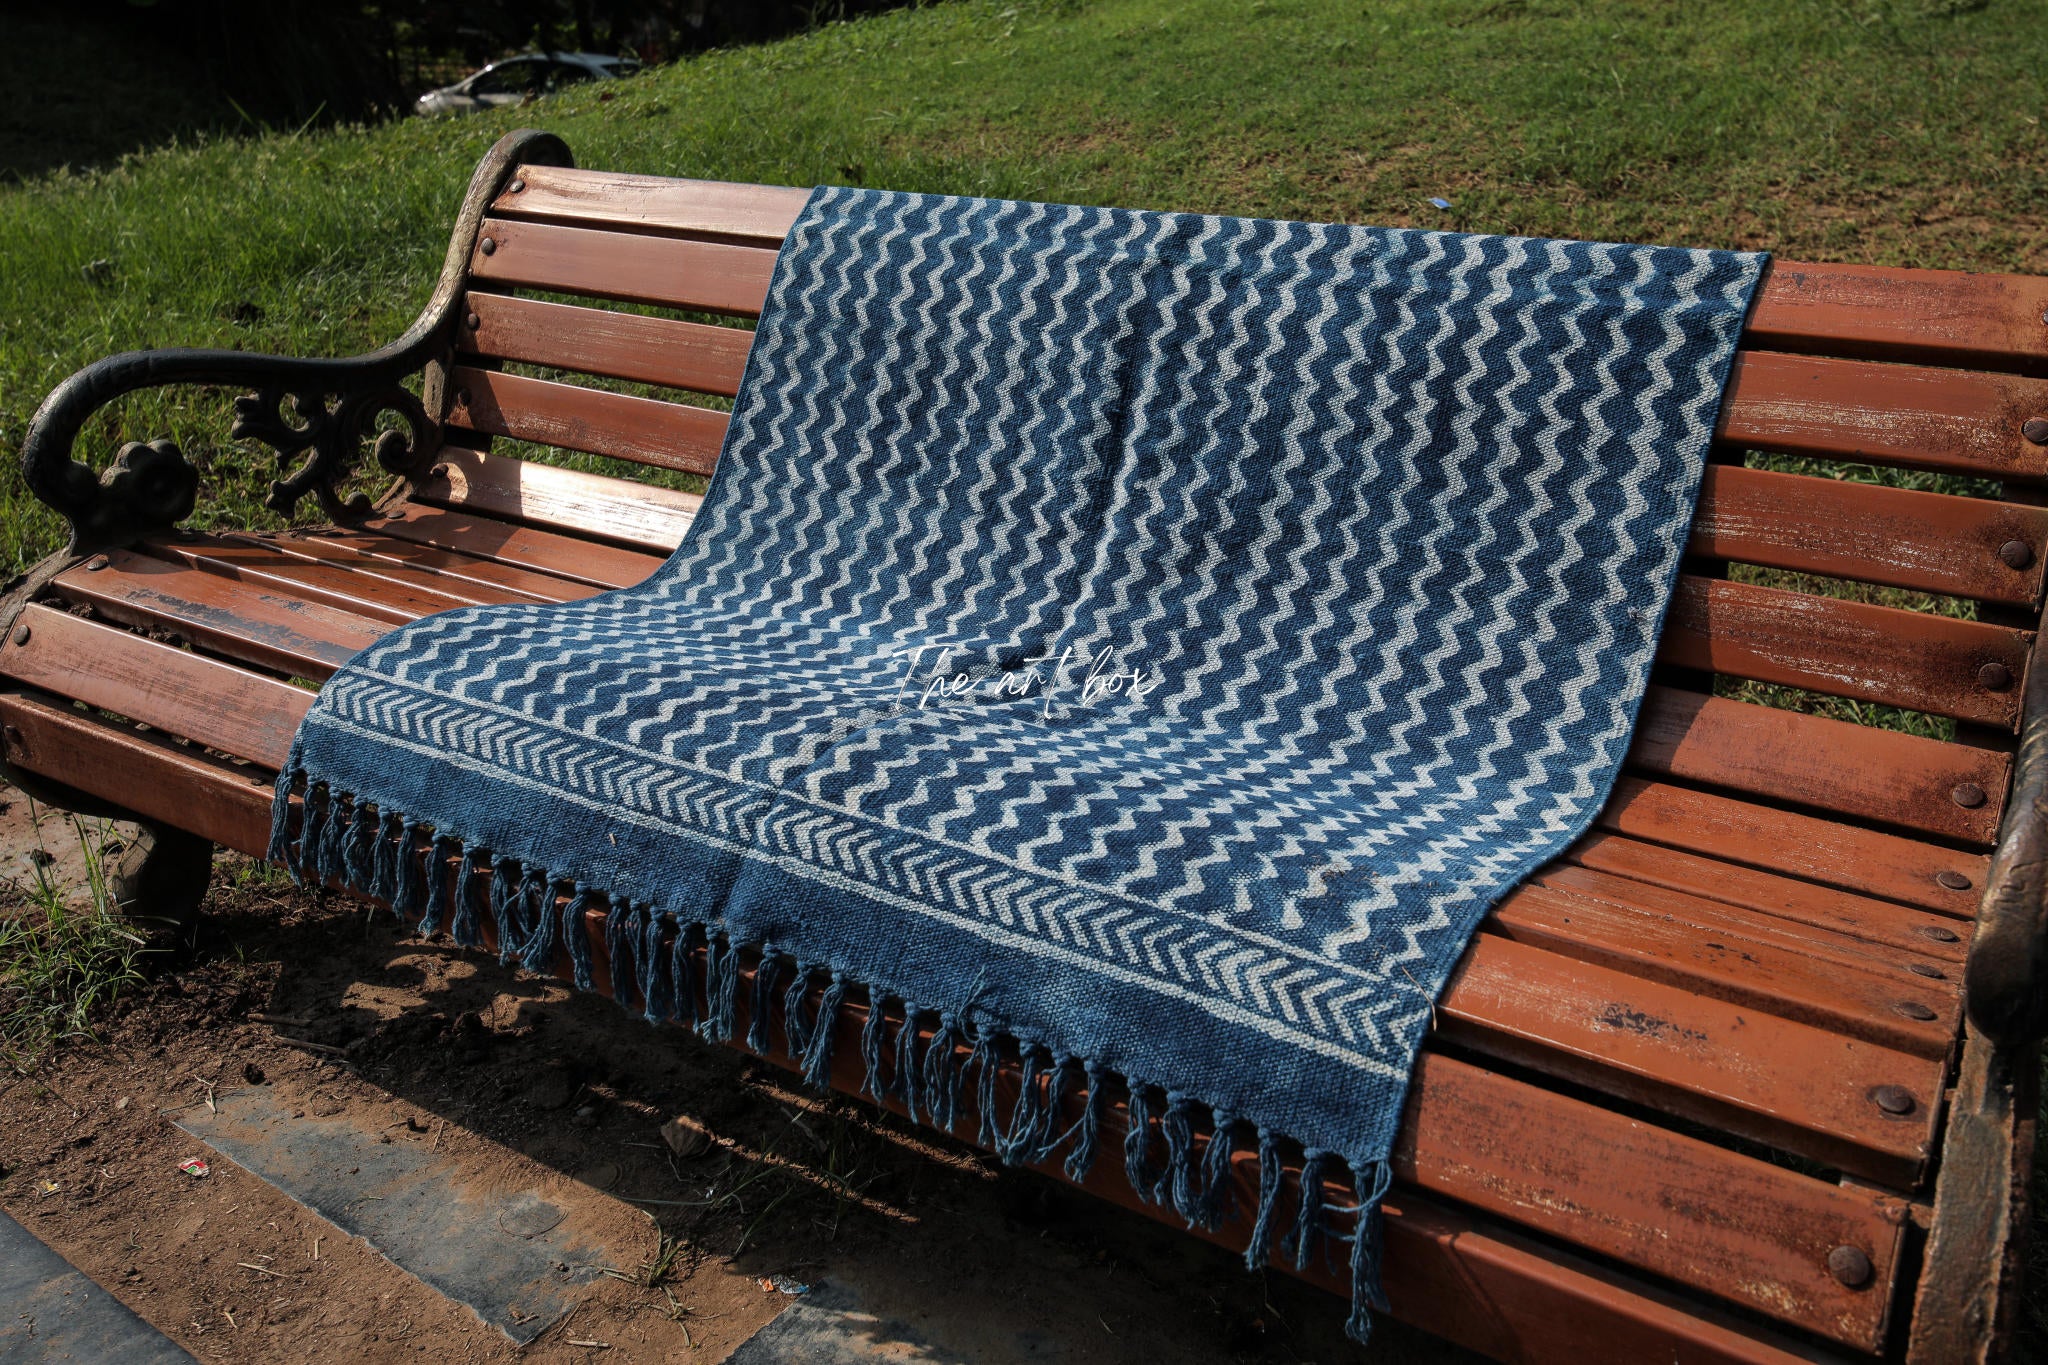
(159,882)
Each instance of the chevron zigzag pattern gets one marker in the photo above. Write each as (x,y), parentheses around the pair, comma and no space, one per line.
(1141,644)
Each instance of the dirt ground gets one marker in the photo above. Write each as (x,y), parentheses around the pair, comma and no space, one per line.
(529,1082)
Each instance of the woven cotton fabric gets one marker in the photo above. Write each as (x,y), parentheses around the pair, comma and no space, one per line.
(1140,644)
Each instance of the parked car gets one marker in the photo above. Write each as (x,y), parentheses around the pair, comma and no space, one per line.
(517,79)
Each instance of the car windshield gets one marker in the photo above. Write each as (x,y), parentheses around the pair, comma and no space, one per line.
(506,78)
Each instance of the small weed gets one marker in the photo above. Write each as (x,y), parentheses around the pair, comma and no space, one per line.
(62,961)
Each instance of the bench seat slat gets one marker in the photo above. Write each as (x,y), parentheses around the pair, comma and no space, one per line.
(620,511)
(646,430)
(1713,954)
(268,629)
(1790,1085)
(488,580)
(261,563)
(1822,851)
(1881,776)
(1886,655)
(648,350)
(1904,930)
(705,277)
(1928,542)
(514,545)
(228,708)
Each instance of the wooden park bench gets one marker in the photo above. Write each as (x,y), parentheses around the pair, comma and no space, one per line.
(1706,1088)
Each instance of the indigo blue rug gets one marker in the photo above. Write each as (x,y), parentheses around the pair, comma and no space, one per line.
(1142,645)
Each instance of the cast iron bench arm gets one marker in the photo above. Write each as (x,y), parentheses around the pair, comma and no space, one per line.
(333,405)
(2005,982)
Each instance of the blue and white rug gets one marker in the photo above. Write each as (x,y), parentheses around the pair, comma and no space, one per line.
(1142,643)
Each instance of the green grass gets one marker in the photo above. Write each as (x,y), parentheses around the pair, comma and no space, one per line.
(64,956)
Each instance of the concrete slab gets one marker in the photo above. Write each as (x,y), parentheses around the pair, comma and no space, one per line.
(514,1253)
(49,1312)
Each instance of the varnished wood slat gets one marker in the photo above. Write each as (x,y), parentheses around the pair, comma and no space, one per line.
(1925,418)
(186,694)
(1665,936)
(631,346)
(275,570)
(1882,776)
(402,557)
(1929,542)
(1916,937)
(646,430)
(146,773)
(501,542)
(654,203)
(1827,852)
(1915,660)
(619,511)
(407,567)
(1938,317)
(269,629)
(1787,1084)
(707,277)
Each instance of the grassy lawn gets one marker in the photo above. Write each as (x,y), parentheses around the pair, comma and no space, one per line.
(1904,132)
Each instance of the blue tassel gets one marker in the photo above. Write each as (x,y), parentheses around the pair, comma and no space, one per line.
(1212,1204)
(1138,1145)
(655,981)
(982,1062)
(619,941)
(544,943)
(818,1057)
(530,910)
(576,936)
(409,892)
(313,834)
(942,1073)
(871,1048)
(384,881)
(1059,1080)
(334,840)
(1178,1182)
(362,851)
(1368,1237)
(504,915)
(759,1004)
(465,930)
(683,974)
(795,1033)
(279,849)
(1308,1215)
(1088,1132)
(1021,1141)
(439,852)
(908,1073)
(721,990)
(1258,1251)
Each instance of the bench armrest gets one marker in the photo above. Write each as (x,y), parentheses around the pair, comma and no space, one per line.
(2005,982)
(334,404)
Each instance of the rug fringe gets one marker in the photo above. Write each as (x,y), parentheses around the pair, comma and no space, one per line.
(388,856)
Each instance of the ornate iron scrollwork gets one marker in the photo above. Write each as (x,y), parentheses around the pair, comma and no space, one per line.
(331,436)
(335,405)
